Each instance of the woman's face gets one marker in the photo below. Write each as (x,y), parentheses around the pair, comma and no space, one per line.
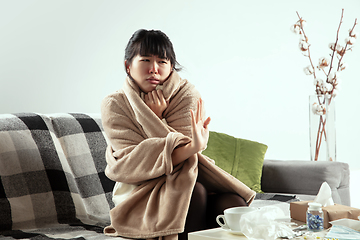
(149,71)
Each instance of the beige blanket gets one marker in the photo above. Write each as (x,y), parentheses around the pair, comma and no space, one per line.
(139,152)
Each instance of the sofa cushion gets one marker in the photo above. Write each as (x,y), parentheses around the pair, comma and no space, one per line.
(241,158)
(39,185)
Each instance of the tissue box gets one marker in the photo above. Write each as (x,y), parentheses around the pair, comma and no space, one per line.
(331,213)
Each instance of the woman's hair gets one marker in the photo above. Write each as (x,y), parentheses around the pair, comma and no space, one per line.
(150,42)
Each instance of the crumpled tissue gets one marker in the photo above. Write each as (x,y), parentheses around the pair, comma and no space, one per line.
(262,224)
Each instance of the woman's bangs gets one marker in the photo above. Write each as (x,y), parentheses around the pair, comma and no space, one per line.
(153,46)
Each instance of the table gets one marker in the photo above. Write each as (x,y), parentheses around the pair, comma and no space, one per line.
(220,234)
(215,233)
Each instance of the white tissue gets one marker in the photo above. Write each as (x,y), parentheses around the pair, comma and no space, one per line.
(262,224)
(324,196)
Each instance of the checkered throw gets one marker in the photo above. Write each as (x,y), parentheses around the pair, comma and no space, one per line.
(52,173)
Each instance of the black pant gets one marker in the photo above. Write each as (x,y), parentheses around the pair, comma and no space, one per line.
(204,208)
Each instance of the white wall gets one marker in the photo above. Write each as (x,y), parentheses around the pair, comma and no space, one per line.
(65,56)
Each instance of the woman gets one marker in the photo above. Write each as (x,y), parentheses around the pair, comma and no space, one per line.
(156,129)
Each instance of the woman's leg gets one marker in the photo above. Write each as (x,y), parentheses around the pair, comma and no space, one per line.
(217,203)
(196,217)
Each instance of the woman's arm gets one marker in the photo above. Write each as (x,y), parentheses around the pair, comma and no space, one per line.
(200,136)
(199,127)
(131,157)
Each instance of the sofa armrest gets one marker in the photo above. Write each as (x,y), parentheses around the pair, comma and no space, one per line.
(306,177)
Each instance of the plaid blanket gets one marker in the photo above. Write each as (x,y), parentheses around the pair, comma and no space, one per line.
(52,176)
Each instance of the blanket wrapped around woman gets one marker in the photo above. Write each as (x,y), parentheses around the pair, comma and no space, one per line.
(139,155)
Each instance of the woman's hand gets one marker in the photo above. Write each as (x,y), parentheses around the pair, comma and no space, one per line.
(155,100)
(199,128)
(200,136)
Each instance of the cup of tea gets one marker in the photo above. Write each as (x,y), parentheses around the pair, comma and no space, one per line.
(231,218)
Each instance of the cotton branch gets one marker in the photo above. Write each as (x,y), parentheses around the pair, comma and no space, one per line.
(306,40)
(345,49)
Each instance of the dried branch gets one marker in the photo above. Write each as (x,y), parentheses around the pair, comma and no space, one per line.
(337,39)
(345,49)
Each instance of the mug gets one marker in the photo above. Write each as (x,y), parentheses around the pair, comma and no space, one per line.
(231,217)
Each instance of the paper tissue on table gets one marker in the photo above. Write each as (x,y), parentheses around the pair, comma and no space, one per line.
(331,211)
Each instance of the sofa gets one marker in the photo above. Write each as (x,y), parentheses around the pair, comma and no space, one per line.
(53,185)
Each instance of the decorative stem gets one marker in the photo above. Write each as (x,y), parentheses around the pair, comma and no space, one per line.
(306,39)
(345,49)
(321,132)
(337,39)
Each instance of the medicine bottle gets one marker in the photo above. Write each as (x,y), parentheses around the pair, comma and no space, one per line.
(315,217)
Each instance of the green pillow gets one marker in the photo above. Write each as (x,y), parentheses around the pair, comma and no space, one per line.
(240,157)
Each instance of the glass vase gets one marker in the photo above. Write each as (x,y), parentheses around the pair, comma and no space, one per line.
(322,127)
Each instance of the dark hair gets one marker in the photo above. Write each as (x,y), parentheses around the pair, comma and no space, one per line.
(150,42)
